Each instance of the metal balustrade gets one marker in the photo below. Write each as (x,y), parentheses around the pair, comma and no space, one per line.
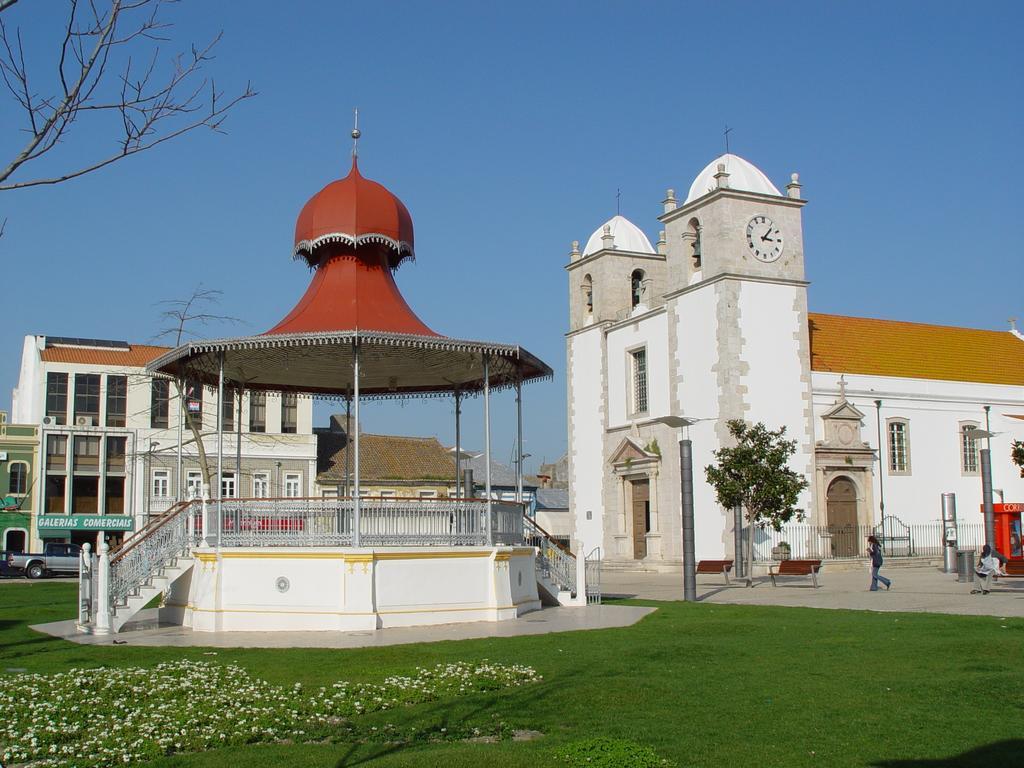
(556,564)
(837,542)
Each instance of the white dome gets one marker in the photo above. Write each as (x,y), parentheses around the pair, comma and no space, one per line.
(743,175)
(628,237)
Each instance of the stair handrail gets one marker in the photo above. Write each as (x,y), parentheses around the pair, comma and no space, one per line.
(151,549)
(122,549)
(554,560)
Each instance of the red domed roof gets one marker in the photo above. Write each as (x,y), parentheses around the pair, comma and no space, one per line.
(354,210)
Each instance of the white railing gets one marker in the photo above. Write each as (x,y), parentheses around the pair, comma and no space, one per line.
(153,548)
(392,522)
(556,564)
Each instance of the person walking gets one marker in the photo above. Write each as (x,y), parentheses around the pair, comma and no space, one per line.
(875,553)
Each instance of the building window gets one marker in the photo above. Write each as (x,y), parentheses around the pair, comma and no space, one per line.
(161,483)
(694,237)
(87,398)
(194,484)
(260,485)
(117,400)
(18,474)
(969,461)
(87,453)
(113,501)
(194,402)
(257,411)
(56,452)
(289,413)
(57,397)
(227,410)
(638,375)
(227,485)
(636,281)
(588,294)
(387,494)
(159,403)
(428,494)
(899,446)
(292,485)
(115,453)
(56,486)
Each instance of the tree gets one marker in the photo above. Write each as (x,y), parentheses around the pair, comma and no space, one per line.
(753,474)
(1017,454)
(182,316)
(107,70)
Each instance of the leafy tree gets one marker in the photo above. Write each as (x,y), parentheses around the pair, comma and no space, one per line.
(754,475)
(1017,454)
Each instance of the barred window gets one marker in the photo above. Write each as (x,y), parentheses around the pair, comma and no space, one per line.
(899,446)
(639,364)
(968,449)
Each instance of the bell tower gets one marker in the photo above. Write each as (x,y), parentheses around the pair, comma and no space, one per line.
(737,292)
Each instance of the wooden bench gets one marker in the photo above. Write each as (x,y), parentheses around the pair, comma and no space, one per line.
(796,568)
(715,566)
(1014,569)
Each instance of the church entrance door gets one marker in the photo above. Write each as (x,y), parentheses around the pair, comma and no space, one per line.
(841,511)
(641,517)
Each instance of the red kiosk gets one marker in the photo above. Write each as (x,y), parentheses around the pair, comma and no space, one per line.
(1008,519)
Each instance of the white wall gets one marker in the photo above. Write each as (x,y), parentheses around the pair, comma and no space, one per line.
(652,332)
(934,410)
(586,436)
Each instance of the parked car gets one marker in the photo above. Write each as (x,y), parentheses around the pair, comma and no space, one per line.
(56,558)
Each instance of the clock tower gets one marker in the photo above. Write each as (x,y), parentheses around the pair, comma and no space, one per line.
(737,303)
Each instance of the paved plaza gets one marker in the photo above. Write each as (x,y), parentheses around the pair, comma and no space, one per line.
(920,589)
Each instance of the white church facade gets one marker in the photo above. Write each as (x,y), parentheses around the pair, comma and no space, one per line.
(712,324)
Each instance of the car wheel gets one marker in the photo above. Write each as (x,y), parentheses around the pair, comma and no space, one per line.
(35,571)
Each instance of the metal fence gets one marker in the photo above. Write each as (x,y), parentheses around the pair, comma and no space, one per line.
(593,571)
(383,522)
(831,542)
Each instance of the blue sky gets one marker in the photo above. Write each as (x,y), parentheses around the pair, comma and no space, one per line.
(507,130)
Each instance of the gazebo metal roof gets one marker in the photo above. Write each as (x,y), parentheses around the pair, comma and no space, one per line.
(392,365)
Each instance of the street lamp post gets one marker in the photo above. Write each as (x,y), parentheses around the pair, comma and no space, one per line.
(686,496)
(985,457)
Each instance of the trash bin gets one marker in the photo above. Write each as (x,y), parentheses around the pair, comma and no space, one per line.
(965,565)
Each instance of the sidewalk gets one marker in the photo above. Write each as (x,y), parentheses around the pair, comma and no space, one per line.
(925,590)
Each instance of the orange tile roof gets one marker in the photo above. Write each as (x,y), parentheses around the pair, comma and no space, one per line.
(136,355)
(915,350)
(385,457)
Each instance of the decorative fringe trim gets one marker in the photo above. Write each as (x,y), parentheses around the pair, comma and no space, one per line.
(401,247)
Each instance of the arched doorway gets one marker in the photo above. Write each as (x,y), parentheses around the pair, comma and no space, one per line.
(14,540)
(841,512)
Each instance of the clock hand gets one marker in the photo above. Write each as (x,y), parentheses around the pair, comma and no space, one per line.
(765,237)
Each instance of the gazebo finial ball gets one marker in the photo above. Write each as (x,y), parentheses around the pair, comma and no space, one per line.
(356,133)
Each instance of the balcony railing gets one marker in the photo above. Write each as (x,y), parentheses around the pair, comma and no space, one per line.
(319,522)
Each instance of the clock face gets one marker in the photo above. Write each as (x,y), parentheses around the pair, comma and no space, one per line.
(764,239)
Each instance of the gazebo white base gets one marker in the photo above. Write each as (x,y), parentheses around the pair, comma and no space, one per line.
(266,589)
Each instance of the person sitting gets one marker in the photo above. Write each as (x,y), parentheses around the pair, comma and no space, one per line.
(988,566)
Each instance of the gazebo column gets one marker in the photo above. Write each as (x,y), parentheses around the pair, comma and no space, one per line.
(458,444)
(239,392)
(220,446)
(519,438)
(356,500)
(180,494)
(487,444)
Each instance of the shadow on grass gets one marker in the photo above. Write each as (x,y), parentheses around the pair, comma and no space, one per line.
(440,722)
(1000,753)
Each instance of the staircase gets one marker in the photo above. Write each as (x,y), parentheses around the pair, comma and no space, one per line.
(555,567)
(123,582)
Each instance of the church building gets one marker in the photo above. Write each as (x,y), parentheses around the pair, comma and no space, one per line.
(712,324)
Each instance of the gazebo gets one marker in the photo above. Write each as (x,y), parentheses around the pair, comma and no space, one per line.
(345,563)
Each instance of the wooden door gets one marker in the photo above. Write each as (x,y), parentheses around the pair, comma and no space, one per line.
(641,517)
(841,512)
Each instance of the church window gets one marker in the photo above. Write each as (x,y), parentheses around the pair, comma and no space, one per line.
(899,446)
(968,448)
(588,294)
(694,237)
(637,287)
(638,360)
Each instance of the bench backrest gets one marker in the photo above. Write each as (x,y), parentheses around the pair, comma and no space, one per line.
(714,566)
(1016,567)
(799,566)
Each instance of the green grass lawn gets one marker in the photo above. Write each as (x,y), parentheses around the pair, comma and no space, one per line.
(702,685)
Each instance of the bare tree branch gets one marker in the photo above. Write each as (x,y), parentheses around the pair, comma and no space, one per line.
(164,100)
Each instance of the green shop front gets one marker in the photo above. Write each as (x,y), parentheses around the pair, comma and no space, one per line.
(84,529)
